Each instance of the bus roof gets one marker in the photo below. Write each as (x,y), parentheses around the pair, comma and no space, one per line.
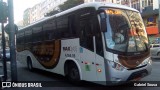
(96,5)
(91,4)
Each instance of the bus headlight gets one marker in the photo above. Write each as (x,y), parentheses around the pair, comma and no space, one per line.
(150,61)
(116,66)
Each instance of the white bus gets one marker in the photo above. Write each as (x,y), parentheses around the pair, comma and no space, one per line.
(96,42)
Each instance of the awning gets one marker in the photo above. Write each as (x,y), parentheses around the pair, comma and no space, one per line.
(152,30)
(148,11)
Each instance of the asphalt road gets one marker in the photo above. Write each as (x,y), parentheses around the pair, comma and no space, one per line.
(155,74)
(38,75)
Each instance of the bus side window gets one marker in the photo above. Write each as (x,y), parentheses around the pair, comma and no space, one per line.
(37,33)
(62,27)
(98,38)
(49,30)
(99,45)
(72,25)
(20,41)
(86,36)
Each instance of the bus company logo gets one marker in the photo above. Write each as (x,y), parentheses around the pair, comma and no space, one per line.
(6,84)
(70,48)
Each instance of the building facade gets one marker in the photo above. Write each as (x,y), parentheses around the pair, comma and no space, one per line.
(149,11)
(39,11)
(26,17)
(150,15)
(107,1)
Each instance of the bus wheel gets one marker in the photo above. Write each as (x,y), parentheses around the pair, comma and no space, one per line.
(29,64)
(73,73)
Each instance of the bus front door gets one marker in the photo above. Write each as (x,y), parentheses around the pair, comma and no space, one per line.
(87,51)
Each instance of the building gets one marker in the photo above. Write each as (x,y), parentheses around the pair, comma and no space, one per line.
(159,16)
(26,17)
(107,1)
(39,11)
(35,13)
(149,13)
(20,24)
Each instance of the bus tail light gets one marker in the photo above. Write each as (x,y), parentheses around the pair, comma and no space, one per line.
(116,66)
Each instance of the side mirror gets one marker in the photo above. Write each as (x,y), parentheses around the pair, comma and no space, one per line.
(103,25)
(103,17)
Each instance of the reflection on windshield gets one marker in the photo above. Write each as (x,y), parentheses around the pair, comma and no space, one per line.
(125,31)
(137,33)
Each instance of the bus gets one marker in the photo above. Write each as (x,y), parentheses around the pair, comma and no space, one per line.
(96,42)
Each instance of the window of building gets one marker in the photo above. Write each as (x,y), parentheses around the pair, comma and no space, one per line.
(150,2)
(151,21)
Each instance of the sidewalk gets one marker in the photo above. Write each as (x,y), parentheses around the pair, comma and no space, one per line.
(1,71)
(1,68)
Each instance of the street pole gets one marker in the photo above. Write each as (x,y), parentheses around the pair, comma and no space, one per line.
(12,41)
(4,49)
(4,53)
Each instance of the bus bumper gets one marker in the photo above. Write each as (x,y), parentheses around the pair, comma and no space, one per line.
(119,77)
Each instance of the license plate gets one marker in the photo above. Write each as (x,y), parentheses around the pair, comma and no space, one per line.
(136,79)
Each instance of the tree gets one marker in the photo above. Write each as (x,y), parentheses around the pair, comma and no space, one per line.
(52,13)
(69,4)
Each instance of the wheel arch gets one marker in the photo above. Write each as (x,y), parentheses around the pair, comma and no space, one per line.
(29,58)
(158,52)
(67,61)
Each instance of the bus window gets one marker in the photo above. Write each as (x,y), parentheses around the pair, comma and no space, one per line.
(49,30)
(86,35)
(99,44)
(28,36)
(20,41)
(72,26)
(62,27)
(37,33)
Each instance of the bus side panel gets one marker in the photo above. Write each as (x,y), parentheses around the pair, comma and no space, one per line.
(21,57)
(100,65)
(69,50)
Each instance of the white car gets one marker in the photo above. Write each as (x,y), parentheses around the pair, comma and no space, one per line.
(155,49)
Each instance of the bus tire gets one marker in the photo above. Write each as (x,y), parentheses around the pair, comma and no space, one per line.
(73,73)
(29,64)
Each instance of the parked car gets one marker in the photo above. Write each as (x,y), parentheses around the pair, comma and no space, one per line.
(155,49)
(7,54)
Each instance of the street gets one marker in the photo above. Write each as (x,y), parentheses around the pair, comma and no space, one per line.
(155,75)
(38,75)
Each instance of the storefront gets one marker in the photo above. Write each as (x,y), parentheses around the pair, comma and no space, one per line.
(150,18)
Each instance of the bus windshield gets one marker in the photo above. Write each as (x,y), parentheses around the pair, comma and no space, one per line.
(125,31)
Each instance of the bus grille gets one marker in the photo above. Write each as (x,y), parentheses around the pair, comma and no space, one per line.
(138,74)
(137,67)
